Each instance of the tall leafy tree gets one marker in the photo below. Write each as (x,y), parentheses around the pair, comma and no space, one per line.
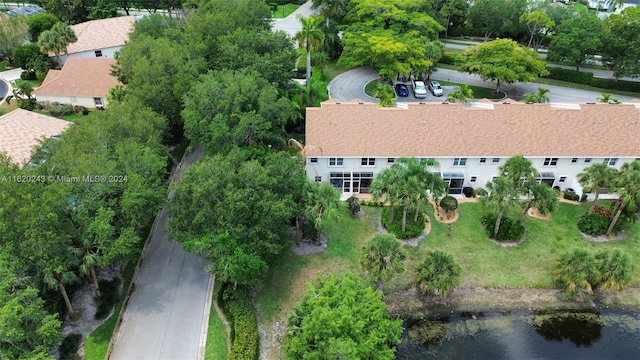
(450,10)
(576,40)
(310,38)
(333,10)
(438,273)
(341,317)
(39,23)
(536,21)
(621,48)
(496,17)
(13,31)
(502,61)
(627,186)
(518,170)
(382,257)
(594,178)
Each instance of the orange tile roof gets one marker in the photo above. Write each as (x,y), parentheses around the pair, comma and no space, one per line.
(481,129)
(101,34)
(88,77)
(22,130)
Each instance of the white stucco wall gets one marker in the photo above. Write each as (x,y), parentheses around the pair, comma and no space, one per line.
(106,53)
(473,168)
(74,101)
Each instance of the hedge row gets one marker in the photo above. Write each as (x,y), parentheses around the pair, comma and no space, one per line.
(587,78)
(244,327)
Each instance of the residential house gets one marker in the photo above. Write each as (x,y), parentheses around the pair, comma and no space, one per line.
(100,38)
(348,143)
(81,82)
(22,130)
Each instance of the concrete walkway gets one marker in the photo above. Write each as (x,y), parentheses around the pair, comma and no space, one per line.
(168,312)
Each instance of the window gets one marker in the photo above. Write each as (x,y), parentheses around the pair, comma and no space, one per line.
(574,160)
(563,179)
(550,162)
(368,161)
(425,160)
(473,179)
(336,161)
(610,161)
(98,53)
(482,161)
(495,160)
(587,161)
(313,160)
(391,160)
(97,101)
(318,178)
(459,161)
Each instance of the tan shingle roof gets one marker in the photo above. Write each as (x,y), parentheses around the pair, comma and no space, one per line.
(21,130)
(79,77)
(101,34)
(435,129)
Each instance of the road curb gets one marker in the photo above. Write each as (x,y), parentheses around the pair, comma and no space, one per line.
(205,318)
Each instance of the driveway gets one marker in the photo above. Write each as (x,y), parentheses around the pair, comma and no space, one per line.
(168,311)
(350,85)
(291,24)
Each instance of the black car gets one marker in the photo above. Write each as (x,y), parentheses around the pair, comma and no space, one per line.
(402,90)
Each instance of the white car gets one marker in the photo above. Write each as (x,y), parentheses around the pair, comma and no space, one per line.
(435,88)
(419,90)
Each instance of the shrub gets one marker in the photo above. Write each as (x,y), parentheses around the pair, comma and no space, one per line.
(510,230)
(61,110)
(587,78)
(244,327)
(354,205)
(109,297)
(594,224)
(571,196)
(412,229)
(70,346)
(27,104)
(449,203)
(28,75)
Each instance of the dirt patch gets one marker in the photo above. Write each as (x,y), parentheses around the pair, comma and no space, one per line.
(307,246)
(444,217)
(84,305)
(465,298)
(534,213)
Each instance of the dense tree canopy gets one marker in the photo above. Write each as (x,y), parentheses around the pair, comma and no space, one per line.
(577,39)
(342,318)
(502,61)
(622,45)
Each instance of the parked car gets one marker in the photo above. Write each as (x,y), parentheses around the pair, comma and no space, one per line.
(402,90)
(435,88)
(419,90)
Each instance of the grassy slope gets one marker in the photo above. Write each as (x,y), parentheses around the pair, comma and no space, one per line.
(216,348)
(283,13)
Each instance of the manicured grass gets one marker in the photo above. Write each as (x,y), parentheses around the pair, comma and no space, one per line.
(96,345)
(3,65)
(284,11)
(370,87)
(478,91)
(216,348)
(571,85)
(331,70)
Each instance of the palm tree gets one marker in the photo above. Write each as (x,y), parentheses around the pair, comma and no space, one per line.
(627,186)
(501,196)
(539,97)
(323,202)
(50,42)
(608,98)
(61,272)
(463,93)
(386,95)
(518,170)
(67,35)
(615,269)
(576,270)
(595,177)
(541,197)
(438,272)
(331,9)
(116,94)
(382,257)
(383,187)
(310,37)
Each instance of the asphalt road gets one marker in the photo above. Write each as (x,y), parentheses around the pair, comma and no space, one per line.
(350,85)
(167,314)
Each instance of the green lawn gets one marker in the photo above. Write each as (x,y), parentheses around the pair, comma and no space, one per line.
(370,87)
(3,65)
(331,70)
(216,348)
(284,11)
(96,345)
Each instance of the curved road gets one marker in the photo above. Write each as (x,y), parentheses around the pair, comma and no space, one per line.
(350,85)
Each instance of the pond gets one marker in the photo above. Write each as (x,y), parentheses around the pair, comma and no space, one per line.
(553,335)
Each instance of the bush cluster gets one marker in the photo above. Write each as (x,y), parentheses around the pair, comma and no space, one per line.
(61,110)
(510,229)
(28,75)
(587,78)
(354,205)
(449,203)
(594,224)
(244,327)
(571,196)
(412,229)
(70,346)
(109,297)
(599,209)
(371,203)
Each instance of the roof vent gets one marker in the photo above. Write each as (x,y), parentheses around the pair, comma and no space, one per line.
(445,103)
(402,106)
(591,103)
(566,106)
(482,105)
